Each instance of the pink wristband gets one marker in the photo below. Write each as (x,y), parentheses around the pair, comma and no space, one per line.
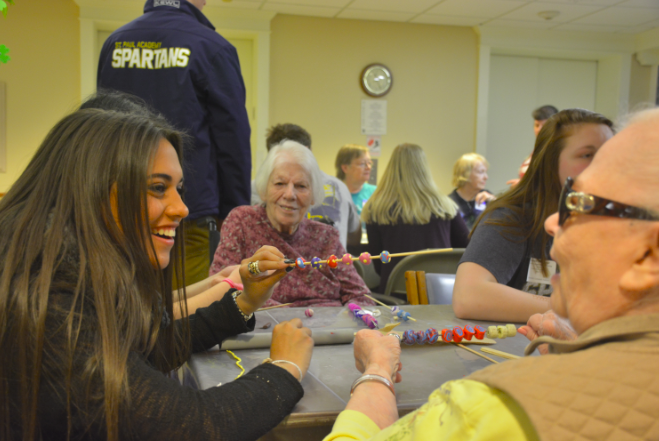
(232,284)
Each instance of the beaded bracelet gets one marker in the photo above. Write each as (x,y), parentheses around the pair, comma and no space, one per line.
(245,316)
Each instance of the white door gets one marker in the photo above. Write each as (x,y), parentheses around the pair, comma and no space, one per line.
(518,85)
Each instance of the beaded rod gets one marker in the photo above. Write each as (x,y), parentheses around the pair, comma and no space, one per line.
(409,253)
(385,305)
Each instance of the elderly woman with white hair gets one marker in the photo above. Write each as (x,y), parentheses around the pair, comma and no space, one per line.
(290,182)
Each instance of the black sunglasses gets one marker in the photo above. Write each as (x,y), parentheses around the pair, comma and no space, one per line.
(577,202)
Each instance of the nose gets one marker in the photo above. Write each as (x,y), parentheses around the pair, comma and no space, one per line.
(551,225)
(289,191)
(176,209)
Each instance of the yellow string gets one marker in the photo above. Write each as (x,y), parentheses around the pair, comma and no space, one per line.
(238,360)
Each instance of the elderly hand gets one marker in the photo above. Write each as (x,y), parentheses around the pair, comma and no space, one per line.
(258,287)
(484,196)
(378,354)
(547,324)
(292,342)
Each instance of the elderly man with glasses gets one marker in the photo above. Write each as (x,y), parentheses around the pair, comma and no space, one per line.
(603,383)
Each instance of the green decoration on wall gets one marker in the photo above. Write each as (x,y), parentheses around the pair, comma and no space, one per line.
(3,54)
(4,49)
(3,6)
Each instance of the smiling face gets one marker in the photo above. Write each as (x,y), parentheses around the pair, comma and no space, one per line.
(288,196)
(478,176)
(606,263)
(580,148)
(164,204)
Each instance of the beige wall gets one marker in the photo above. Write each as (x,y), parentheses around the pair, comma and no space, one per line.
(640,85)
(42,78)
(314,72)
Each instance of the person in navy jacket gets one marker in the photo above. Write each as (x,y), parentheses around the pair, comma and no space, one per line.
(172,58)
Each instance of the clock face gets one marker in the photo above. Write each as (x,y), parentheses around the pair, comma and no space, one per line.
(376,80)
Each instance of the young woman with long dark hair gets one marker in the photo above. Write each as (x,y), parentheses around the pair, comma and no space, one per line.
(504,273)
(90,235)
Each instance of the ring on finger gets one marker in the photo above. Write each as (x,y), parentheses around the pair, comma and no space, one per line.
(253,268)
(395,335)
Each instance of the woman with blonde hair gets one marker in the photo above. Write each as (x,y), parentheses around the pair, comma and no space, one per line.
(408,213)
(469,178)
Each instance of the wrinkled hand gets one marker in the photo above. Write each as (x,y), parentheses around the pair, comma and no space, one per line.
(258,289)
(547,324)
(484,196)
(292,342)
(378,354)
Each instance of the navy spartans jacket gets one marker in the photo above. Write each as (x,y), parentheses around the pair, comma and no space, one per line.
(172,57)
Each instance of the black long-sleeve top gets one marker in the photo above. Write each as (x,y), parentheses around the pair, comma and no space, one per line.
(400,238)
(161,409)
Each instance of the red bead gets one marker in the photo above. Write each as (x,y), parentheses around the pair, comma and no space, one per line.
(457,334)
(331,261)
(479,332)
(447,335)
(468,332)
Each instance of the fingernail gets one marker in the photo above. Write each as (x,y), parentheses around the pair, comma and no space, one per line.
(289,261)
(289,269)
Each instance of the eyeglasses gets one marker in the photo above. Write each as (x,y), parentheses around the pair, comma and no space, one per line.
(577,202)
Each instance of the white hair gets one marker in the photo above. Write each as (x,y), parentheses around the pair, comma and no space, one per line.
(291,152)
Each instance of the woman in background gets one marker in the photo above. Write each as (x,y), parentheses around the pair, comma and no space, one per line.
(353,166)
(469,178)
(408,213)
(504,273)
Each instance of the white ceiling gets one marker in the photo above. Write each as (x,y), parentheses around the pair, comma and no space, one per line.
(615,16)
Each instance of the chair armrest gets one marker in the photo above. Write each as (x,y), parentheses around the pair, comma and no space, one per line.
(388,300)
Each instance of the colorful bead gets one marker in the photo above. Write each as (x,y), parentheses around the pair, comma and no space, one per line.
(479,332)
(447,335)
(403,315)
(409,337)
(384,257)
(432,335)
(421,337)
(492,332)
(368,319)
(309,312)
(315,264)
(299,262)
(394,309)
(502,332)
(331,261)
(458,333)
(365,258)
(347,259)
(468,332)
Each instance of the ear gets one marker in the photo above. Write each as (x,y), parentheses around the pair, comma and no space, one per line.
(344,167)
(644,273)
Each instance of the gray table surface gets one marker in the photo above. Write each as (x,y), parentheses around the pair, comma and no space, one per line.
(332,370)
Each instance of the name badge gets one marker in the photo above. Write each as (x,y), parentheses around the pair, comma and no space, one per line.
(535,271)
